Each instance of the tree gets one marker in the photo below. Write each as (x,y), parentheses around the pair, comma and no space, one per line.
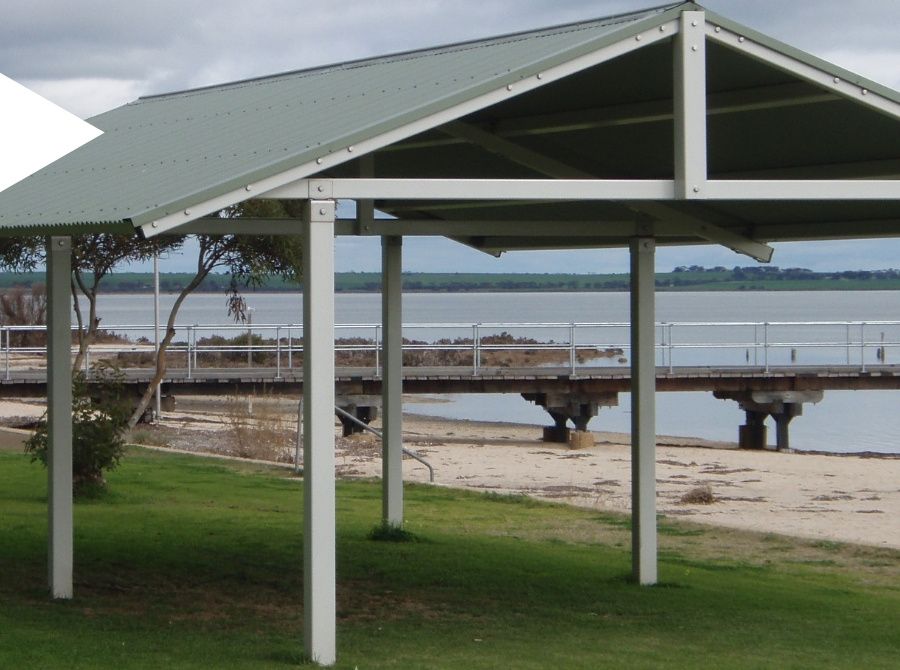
(24,307)
(247,259)
(94,257)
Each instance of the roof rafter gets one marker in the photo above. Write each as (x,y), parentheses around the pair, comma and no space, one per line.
(720,103)
(808,68)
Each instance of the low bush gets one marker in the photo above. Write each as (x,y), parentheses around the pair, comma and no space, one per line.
(99,418)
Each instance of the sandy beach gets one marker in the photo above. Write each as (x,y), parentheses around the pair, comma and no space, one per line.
(835,498)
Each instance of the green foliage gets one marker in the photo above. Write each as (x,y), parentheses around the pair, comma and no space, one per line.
(99,418)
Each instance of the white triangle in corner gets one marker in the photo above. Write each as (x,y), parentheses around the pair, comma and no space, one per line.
(34,132)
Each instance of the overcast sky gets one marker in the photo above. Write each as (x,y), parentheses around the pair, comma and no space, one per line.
(89,56)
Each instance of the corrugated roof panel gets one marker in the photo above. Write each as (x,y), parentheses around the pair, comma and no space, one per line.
(161,152)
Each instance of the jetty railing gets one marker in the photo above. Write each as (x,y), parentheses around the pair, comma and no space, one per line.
(476,347)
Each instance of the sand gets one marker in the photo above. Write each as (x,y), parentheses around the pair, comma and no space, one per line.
(838,498)
(824,497)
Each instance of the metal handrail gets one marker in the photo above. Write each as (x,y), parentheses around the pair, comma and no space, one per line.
(365,426)
(872,340)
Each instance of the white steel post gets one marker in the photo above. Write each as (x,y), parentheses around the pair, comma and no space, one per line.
(319,609)
(392,383)
(158,392)
(690,106)
(643,413)
(59,415)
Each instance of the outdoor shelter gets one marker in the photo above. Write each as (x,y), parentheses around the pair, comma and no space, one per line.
(671,125)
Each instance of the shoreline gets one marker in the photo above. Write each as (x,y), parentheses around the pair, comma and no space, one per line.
(661,440)
(824,497)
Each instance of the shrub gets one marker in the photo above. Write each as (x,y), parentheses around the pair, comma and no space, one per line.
(701,495)
(99,418)
(259,430)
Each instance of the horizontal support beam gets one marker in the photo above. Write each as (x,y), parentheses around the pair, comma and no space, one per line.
(469,227)
(594,234)
(589,232)
(801,189)
(588,189)
(480,189)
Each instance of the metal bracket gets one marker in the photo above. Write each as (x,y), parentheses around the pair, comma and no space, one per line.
(61,243)
(320,211)
(321,189)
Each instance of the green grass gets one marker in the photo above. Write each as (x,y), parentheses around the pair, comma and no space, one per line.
(188,563)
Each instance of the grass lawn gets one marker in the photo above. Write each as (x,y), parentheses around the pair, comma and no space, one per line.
(193,563)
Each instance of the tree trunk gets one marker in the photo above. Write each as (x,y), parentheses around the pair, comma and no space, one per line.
(161,368)
(87,335)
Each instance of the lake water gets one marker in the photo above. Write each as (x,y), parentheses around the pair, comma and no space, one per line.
(845,421)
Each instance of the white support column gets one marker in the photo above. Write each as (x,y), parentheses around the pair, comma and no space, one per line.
(643,412)
(319,608)
(59,415)
(690,106)
(392,383)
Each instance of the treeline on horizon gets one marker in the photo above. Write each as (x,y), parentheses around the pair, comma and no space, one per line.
(683,278)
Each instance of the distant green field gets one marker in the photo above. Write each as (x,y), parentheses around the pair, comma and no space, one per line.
(697,279)
(192,563)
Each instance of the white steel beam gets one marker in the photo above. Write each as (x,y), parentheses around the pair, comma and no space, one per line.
(690,106)
(476,227)
(59,416)
(481,189)
(643,412)
(392,385)
(802,189)
(319,606)
(828,76)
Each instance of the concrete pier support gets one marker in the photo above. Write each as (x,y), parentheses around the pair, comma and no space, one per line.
(364,408)
(752,435)
(782,406)
(579,409)
(782,422)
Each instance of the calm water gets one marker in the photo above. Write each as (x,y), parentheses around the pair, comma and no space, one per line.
(844,421)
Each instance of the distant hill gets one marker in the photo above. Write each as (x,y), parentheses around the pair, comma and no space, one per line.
(686,278)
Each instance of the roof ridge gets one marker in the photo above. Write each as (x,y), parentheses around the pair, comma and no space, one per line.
(424,52)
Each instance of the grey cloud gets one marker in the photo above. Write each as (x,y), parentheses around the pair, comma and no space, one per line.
(171,45)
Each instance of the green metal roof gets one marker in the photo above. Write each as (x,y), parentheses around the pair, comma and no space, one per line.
(162,153)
